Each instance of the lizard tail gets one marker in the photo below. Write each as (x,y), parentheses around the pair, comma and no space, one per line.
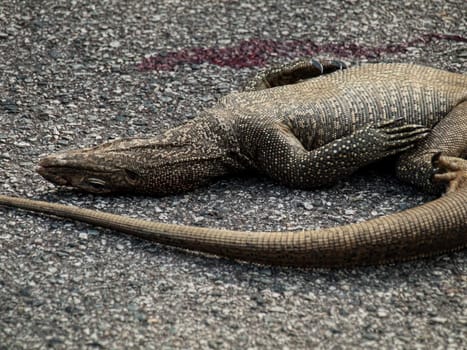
(436,227)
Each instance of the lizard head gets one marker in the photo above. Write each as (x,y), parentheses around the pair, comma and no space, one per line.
(166,164)
(89,169)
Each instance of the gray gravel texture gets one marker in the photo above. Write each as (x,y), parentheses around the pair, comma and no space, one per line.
(68,79)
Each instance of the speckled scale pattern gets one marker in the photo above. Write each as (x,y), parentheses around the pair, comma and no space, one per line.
(303,134)
(178,160)
(317,131)
(449,137)
(308,133)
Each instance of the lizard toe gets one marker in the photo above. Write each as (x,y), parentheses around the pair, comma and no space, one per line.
(450,170)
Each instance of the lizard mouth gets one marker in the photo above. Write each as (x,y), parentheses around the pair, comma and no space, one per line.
(56,169)
(63,169)
(49,174)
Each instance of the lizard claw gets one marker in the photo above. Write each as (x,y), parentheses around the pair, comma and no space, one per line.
(338,64)
(317,65)
(450,170)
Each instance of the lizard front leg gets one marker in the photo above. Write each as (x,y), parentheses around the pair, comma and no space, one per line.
(293,72)
(438,160)
(278,153)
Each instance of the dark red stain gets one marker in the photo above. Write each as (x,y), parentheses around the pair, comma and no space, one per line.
(257,52)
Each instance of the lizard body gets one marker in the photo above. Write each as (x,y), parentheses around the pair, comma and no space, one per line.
(303,130)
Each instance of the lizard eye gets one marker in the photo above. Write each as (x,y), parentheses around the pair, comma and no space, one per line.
(131,175)
(95,183)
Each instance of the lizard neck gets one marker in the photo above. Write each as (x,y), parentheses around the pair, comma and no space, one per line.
(188,156)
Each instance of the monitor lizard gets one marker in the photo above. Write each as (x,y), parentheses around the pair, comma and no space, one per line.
(305,124)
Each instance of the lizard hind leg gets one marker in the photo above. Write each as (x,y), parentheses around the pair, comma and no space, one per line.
(438,159)
(450,170)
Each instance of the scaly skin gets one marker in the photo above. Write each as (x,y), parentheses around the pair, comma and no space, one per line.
(436,227)
(306,135)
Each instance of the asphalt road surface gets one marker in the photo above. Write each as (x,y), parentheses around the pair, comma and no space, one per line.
(77,73)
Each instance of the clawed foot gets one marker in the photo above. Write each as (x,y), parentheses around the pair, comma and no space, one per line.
(397,136)
(450,170)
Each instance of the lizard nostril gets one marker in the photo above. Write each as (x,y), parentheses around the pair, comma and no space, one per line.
(41,170)
(47,162)
(54,160)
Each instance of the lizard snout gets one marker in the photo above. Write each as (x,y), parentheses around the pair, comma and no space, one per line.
(54,160)
(51,168)
(88,171)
